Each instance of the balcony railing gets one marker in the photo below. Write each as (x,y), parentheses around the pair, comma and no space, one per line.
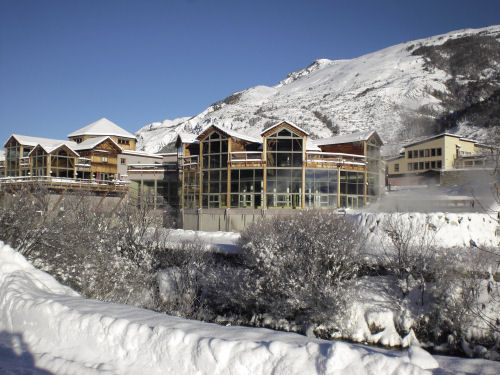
(189,161)
(64,183)
(244,156)
(334,158)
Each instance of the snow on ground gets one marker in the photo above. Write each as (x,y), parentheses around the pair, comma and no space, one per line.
(447,229)
(48,328)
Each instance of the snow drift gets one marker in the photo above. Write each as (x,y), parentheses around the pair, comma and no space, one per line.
(67,334)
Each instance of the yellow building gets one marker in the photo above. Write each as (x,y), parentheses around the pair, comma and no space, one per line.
(438,153)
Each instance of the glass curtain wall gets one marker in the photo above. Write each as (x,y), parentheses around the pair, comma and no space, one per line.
(247,188)
(321,188)
(39,162)
(191,188)
(12,155)
(214,171)
(62,164)
(352,189)
(284,169)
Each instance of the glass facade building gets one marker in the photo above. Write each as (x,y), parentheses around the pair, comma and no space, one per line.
(283,169)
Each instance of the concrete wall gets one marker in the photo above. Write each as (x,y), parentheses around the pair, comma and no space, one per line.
(229,220)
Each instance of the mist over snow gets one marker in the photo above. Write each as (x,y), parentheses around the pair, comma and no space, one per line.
(396,91)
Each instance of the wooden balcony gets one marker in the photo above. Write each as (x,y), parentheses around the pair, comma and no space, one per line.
(60,184)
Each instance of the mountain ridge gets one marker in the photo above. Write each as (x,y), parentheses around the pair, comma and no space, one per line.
(410,89)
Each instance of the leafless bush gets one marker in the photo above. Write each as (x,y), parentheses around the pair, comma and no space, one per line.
(101,254)
(300,263)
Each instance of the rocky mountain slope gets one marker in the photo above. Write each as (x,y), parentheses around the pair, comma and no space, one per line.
(449,82)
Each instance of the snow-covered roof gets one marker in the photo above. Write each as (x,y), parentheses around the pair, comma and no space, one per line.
(286,122)
(187,138)
(26,140)
(51,149)
(93,142)
(426,139)
(345,138)
(102,127)
(231,133)
(143,153)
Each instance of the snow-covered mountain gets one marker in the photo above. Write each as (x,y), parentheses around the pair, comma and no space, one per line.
(448,82)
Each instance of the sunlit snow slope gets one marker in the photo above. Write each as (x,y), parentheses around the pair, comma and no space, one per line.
(398,91)
(49,327)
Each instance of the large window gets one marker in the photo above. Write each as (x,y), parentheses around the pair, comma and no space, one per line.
(62,164)
(247,188)
(214,175)
(352,189)
(284,169)
(39,162)
(12,154)
(321,187)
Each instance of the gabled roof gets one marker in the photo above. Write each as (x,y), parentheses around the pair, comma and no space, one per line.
(102,127)
(348,138)
(229,133)
(90,143)
(284,122)
(34,141)
(426,139)
(51,149)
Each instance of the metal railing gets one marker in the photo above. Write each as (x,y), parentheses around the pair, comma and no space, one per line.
(66,182)
(244,156)
(188,161)
(335,158)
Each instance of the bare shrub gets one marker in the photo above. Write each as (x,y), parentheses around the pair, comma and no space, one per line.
(300,263)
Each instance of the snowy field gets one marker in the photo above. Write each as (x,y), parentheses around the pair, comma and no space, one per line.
(46,328)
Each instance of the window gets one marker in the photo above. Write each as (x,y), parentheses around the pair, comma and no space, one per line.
(421,165)
(123,161)
(415,153)
(427,165)
(427,152)
(433,164)
(433,152)
(409,154)
(104,159)
(421,153)
(438,151)
(396,167)
(410,166)
(439,162)
(415,166)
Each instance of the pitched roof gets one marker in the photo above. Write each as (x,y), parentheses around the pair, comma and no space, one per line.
(26,140)
(231,133)
(93,142)
(51,149)
(346,138)
(425,139)
(281,122)
(102,127)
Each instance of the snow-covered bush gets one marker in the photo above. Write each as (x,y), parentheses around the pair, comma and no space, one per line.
(300,263)
(104,255)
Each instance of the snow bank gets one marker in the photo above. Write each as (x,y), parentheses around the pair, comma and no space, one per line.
(447,229)
(67,334)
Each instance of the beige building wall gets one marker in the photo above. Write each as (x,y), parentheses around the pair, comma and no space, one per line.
(422,154)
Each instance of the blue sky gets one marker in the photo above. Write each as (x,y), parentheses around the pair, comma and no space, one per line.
(67,63)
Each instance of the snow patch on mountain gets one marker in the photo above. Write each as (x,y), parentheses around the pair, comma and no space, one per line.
(389,91)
